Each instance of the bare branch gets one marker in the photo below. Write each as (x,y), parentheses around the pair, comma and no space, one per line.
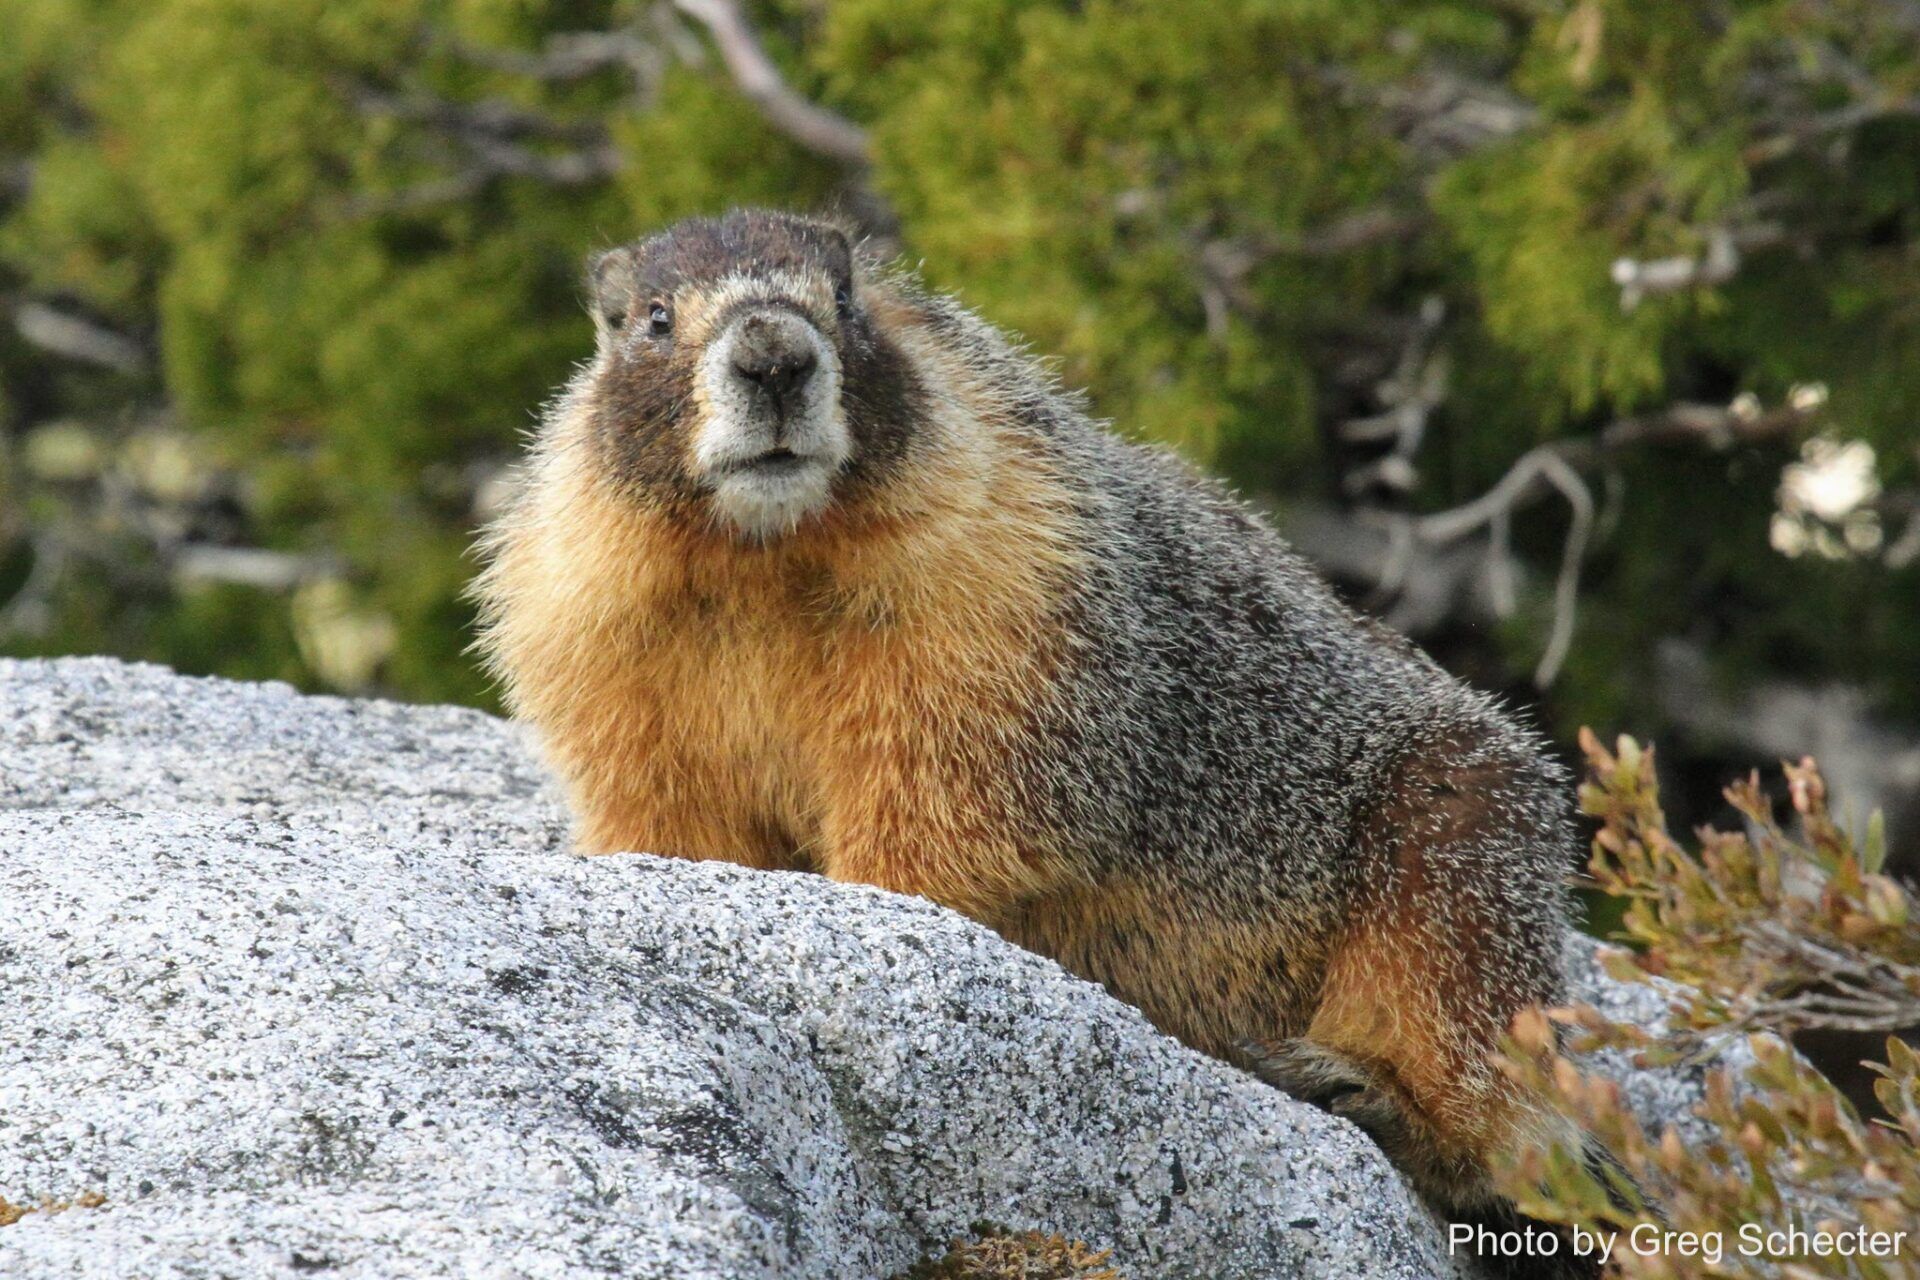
(76,338)
(1361,229)
(1416,588)
(494,135)
(561,168)
(1223,264)
(1440,114)
(1794,135)
(1410,393)
(1831,990)
(1713,426)
(1720,263)
(467,183)
(1717,427)
(489,118)
(570,55)
(490,162)
(1566,592)
(1556,468)
(257,567)
(1521,483)
(807,123)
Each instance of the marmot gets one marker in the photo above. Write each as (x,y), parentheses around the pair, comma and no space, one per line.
(812,568)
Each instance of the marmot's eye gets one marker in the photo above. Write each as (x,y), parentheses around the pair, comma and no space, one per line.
(659,320)
(843,297)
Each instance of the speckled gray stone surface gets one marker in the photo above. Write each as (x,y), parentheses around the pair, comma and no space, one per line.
(305,986)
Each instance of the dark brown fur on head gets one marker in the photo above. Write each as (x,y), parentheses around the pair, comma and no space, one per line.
(657,302)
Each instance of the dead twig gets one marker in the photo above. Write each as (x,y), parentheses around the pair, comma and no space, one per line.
(813,126)
(77,338)
(1557,468)
(571,55)
(1416,387)
(494,139)
(1720,262)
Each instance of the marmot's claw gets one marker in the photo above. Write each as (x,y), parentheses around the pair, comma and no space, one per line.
(1310,1072)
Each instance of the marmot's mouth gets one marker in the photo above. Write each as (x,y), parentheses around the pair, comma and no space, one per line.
(774,462)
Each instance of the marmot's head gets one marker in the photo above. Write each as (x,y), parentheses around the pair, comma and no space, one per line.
(740,376)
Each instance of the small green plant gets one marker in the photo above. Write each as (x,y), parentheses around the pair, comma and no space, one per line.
(1761,933)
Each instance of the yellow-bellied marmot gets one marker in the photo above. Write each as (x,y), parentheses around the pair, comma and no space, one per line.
(811,569)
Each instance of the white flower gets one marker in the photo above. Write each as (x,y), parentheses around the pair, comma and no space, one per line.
(1807,396)
(1831,480)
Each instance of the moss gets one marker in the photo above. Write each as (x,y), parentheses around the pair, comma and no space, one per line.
(997,1253)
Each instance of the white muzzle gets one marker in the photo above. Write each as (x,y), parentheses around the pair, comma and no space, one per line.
(774,435)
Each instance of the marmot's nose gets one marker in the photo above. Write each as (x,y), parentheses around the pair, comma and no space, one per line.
(772,357)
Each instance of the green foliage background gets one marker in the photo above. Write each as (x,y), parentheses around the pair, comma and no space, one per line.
(337,364)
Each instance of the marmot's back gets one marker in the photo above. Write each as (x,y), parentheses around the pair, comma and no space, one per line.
(812,569)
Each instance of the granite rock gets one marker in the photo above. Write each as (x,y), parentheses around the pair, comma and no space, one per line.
(308,986)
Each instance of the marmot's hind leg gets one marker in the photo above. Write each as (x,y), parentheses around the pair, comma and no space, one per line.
(1368,1097)
(1453,931)
(1450,937)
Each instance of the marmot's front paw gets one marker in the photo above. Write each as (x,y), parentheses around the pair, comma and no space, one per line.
(1331,1081)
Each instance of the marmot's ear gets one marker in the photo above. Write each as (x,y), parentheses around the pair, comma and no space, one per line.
(608,284)
(839,252)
